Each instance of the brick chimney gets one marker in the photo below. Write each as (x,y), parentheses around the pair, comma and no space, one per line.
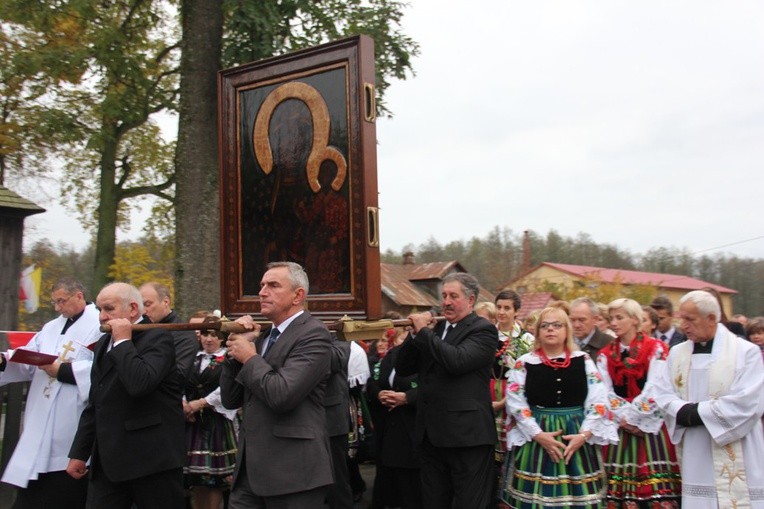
(408,258)
(526,265)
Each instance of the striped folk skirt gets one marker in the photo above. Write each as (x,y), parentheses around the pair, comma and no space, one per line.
(643,472)
(533,481)
(211,443)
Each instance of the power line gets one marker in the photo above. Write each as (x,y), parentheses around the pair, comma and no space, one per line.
(728,245)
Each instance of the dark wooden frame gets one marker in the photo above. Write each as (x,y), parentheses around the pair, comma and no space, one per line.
(350,61)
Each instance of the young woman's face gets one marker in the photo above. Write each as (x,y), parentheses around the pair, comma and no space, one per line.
(624,325)
(505,313)
(210,341)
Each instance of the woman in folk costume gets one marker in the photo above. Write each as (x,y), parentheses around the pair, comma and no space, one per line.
(513,341)
(642,469)
(558,403)
(210,435)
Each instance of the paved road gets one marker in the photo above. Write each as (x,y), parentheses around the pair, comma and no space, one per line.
(7,493)
(367,472)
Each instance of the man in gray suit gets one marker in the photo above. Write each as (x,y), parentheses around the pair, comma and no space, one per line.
(279,380)
(589,338)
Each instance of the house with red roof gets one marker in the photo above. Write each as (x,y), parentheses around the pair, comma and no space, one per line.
(533,302)
(673,286)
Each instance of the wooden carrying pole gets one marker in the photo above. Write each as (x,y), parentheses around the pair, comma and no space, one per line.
(228,327)
(346,328)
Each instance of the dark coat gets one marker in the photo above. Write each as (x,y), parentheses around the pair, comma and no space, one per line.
(599,341)
(337,397)
(454,400)
(397,443)
(676,338)
(133,425)
(186,346)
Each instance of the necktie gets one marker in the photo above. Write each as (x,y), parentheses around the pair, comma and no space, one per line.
(664,338)
(271,339)
(449,328)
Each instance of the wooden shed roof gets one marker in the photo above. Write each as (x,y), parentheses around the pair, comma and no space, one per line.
(402,282)
(10,201)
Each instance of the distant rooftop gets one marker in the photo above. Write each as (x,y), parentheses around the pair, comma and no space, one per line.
(534,301)
(412,284)
(633,277)
(397,285)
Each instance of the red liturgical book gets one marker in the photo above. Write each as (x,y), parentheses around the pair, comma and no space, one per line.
(33,358)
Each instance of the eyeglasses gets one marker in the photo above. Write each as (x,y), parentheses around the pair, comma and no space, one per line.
(60,302)
(209,333)
(553,325)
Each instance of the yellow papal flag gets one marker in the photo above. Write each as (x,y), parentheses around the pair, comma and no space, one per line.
(29,288)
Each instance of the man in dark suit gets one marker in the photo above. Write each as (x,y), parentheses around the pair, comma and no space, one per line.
(156,305)
(666,330)
(133,428)
(590,339)
(279,381)
(454,423)
(337,405)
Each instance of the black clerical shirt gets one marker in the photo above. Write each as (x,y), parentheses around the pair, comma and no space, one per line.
(70,321)
(704,347)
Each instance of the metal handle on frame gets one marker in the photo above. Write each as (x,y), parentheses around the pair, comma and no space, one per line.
(372,226)
(370,102)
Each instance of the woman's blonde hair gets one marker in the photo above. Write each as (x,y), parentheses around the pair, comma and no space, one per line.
(488,307)
(630,306)
(570,344)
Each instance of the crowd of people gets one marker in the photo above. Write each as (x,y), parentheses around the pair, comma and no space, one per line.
(582,404)
(592,404)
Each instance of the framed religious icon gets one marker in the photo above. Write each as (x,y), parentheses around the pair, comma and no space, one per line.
(298,179)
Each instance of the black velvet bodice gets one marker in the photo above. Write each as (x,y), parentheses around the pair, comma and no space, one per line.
(553,387)
(199,385)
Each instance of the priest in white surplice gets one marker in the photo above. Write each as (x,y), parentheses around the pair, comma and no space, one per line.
(57,395)
(711,389)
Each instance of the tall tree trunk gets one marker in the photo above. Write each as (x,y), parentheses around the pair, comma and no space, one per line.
(197,236)
(108,204)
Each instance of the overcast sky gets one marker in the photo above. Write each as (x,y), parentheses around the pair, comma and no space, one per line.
(640,123)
